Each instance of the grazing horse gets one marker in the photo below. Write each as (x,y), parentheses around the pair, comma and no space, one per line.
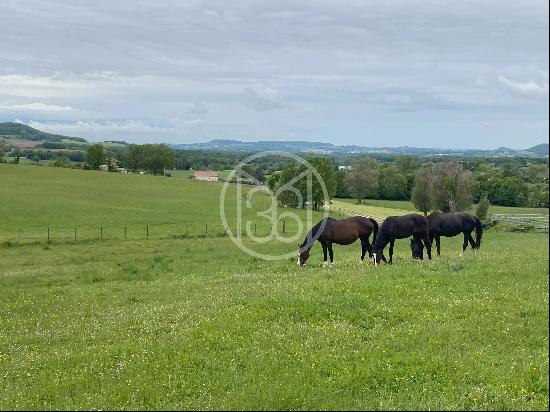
(342,232)
(449,225)
(400,227)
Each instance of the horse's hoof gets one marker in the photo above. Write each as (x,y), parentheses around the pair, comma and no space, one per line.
(331,265)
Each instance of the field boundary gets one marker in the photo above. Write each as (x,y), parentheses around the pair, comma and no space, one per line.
(538,221)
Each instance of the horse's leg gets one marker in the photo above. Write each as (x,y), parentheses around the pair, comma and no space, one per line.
(418,239)
(369,246)
(324,253)
(392,241)
(331,254)
(472,243)
(465,244)
(427,244)
(438,245)
(363,249)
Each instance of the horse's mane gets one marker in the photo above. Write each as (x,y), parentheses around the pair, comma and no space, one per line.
(308,241)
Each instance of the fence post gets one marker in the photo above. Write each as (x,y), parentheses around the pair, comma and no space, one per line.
(48,233)
(206,229)
(254,228)
(284,222)
(101,232)
(147,231)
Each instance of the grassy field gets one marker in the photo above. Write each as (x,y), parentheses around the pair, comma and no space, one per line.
(409,207)
(37,198)
(195,323)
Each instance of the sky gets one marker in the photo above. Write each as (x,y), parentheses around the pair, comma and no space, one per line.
(456,74)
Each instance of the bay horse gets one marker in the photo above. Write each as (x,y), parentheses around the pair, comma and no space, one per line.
(342,232)
(449,225)
(400,227)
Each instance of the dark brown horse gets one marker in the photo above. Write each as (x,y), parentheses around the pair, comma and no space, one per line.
(342,232)
(449,225)
(400,227)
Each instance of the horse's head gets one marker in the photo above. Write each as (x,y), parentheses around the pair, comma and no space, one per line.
(303,254)
(417,249)
(378,256)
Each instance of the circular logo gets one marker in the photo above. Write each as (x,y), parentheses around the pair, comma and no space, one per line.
(303,187)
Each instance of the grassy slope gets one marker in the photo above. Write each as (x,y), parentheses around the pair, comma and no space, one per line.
(195,323)
(408,206)
(35,198)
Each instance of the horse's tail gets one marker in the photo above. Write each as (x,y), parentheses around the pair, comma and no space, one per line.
(479,233)
(375,223)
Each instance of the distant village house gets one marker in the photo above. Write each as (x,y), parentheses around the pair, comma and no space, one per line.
(207,175)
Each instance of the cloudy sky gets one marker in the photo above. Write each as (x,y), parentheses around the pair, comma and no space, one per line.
(374,73)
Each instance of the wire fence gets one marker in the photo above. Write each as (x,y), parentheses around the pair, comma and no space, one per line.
(44,232)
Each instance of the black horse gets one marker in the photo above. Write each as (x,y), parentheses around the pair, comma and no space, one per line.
(342,232)
(449,225)
(400,227)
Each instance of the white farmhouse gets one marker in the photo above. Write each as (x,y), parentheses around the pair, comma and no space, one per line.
(207,175)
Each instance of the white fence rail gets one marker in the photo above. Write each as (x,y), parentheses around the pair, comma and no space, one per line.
(538,221)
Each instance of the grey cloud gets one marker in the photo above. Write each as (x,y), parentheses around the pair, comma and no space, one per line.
(530,89)
(262,98)
(197,108)
(361,68)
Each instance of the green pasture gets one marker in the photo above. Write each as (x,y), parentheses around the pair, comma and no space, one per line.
(104,204)
(405,205)
(172,322)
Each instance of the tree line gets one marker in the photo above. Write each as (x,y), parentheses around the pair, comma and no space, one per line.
(504,181)
(447,186)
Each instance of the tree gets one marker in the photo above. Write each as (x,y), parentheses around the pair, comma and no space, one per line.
(132,158)
(421,192)
(297,194)
(392,184)
(95,156)
(342,189)
(482,208)
(273,181)
(326,171)
(452,187)
(3,148)
(362,179)
(291,195)
(157,157)
(61,161)
(407,164)
(538,195)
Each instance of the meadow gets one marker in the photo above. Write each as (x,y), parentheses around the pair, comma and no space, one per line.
(408,206)
(36,198)
(193,323)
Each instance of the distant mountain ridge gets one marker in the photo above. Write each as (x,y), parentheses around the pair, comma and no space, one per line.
(540,150)
(19,130)
(11,130)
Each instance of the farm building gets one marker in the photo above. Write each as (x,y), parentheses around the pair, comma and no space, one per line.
(207,175)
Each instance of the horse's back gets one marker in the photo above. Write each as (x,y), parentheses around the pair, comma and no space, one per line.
(451,224)
(405,226)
